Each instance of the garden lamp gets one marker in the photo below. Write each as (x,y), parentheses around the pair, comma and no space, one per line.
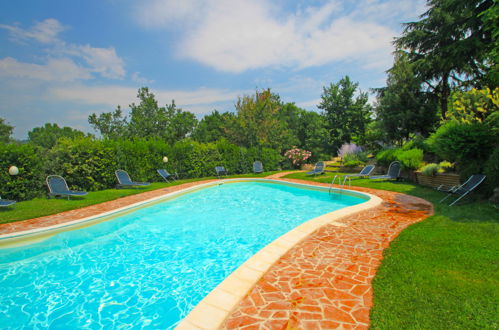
(13,170)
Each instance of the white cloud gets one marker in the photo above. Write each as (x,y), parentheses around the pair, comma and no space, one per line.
(238,35)
(62,70)
(46,31)
(199,101)
(103,61)
(136,77)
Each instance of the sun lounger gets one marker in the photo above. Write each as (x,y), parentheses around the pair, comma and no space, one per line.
(58,187)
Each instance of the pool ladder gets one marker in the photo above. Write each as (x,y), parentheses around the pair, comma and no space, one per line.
(342,185)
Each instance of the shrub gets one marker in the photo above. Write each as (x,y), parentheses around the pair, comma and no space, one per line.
(353,163)
(89,164)
(86,164)
(463,143)
(418,142)
(410,159)
(360,157)
(297,156)
(348,149)
(445,166)
(430,169)
(474,105)
(30,181)
(385,157)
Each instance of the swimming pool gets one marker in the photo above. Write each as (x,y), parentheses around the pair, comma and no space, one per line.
(152,266)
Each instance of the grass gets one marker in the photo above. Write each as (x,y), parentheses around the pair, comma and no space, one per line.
(440,273)
(39,207)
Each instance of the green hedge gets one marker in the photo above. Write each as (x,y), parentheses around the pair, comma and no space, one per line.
(89,164)
(29,183)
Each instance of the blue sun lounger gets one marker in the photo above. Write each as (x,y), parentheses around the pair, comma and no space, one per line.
(58,187)
(167,176)
(257,167)
(6,202)
(393,172)
(125,181)
(366,171)
(464,189)
(318,169)
(220,170)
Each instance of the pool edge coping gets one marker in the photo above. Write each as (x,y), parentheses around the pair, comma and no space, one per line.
(214,308)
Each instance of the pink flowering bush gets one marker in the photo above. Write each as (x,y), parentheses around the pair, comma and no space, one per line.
(297,156)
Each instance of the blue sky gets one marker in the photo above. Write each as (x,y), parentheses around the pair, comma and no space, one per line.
(62,60)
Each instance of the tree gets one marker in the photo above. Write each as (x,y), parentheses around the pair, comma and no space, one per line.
(475,105)
(308,128)
(213,126)
(403,108)
(111,125)
(5,131)
(180,123)
(47,135)
(449,46)
(146,119)
(346,115)
(258,124)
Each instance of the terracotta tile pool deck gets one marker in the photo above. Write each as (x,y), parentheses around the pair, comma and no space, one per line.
(323,282)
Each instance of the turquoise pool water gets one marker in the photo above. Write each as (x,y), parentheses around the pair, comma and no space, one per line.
(149,268)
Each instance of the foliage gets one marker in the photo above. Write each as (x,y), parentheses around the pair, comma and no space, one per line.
(359,157)
(375,137)
(111,125)
(353,163)
(308,130)
(346,116)
(474,105)
(433,168)
(212,127)
(410,159)
(5,131)
(147,120)
(30,180)
(449,45)
(402,107)
(445,166)
(491,170)
(297,156)
(418,142)
(430,169)
(258,123)
(463,143)
(386,156)
(47,135)
(86,164)
(90,165)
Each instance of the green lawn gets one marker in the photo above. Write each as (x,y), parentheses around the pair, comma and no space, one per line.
(39,207)
(440,273)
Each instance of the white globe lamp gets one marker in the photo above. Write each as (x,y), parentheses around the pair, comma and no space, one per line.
(13,170)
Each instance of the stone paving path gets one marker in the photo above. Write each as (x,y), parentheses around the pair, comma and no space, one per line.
(324,282)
